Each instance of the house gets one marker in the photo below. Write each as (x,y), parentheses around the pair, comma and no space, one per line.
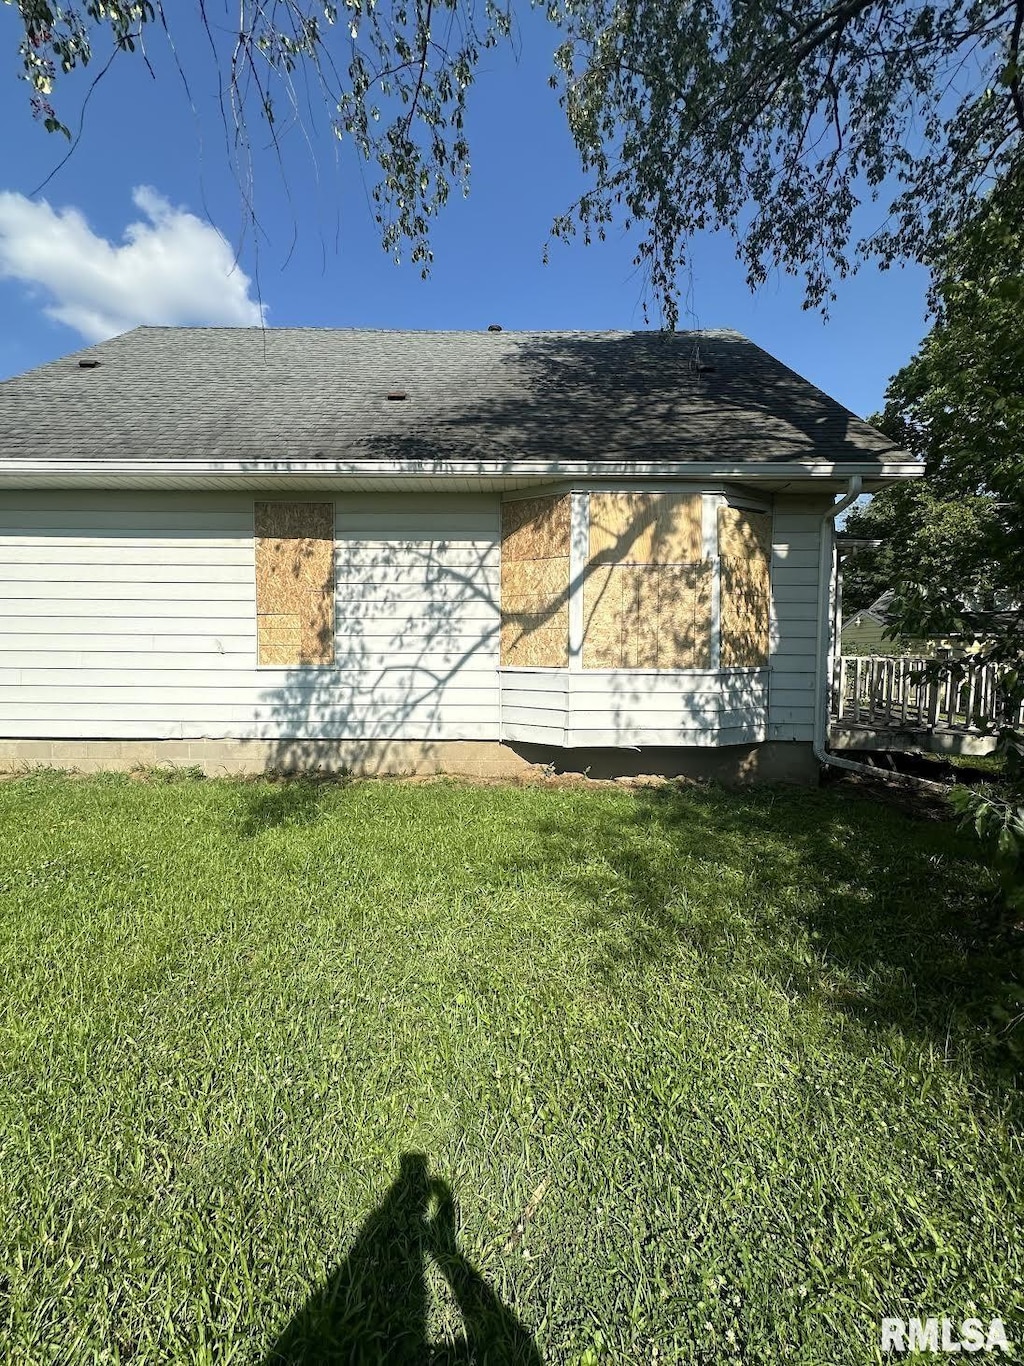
(864,632)
(868,632)
(252,549)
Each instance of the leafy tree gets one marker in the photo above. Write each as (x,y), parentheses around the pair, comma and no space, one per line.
(380,72)
(772,122)
(870,573)
(926,538)
(957,543)
(959,406)
(954,542)
(775,121)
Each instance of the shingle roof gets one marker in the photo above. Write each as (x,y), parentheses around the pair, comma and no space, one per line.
(316,394)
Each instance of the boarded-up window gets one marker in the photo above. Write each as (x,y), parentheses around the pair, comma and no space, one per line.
(646,528)
(744,545)
(535,582)
(647,592)
(295,583)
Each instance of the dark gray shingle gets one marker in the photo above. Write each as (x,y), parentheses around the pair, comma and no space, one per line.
(317,394)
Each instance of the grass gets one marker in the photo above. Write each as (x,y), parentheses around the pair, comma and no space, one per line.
(311,1073)
(987,763)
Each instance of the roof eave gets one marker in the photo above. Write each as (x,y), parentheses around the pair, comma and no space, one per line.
(216,473)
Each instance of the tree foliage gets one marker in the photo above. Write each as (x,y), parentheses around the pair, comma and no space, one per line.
(775,122)
(953,543)
(959,406)
(927,538)
(393,78)
(771,122)
(956,543)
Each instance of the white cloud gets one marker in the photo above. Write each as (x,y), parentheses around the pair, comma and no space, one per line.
(171,268)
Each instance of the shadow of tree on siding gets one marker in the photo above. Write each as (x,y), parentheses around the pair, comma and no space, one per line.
(417,648)
(416,642)
(374,1306)
(417,615)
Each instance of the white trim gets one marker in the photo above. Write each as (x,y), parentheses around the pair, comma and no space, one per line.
(637,673)
(732,494)
(72,473)
(709,514)
(547,489)
(579,556)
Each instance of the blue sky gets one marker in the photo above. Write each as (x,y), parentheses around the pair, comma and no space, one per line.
(144,158)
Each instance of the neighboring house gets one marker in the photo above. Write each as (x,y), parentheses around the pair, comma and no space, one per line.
(864,632)
(867,632)
(394,550)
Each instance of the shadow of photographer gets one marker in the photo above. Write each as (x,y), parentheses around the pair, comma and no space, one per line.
(373,1307)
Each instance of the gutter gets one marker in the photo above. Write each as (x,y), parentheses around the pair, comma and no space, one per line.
(35,473)
(822,682)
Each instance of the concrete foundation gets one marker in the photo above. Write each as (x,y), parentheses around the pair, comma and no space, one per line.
(771,762)
(365,758)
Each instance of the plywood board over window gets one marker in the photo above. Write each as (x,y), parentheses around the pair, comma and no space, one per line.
(535,582)
(295,583)
(647,592)
(646,528)
(744,545)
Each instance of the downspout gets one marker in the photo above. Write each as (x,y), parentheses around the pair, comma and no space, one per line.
(822,682)
(826,569)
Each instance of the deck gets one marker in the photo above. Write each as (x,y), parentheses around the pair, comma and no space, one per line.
(883,702)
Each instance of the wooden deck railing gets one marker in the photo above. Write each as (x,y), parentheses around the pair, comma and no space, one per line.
(886,690)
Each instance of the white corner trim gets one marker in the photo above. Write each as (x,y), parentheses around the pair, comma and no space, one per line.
(709,516)
(579,554)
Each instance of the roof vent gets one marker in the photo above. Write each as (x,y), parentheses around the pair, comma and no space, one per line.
(396,395)
(88,364)
(494,327)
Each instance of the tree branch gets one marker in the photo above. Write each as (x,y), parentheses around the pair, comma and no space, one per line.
(810,38)
(423,67)
(1015,91)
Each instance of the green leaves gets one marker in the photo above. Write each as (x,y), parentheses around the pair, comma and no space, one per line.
(385,79)
(956,542)
(954,552)
(998,823)
(771,124)
(775,125)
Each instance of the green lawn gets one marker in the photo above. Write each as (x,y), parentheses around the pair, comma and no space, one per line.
(301,1072)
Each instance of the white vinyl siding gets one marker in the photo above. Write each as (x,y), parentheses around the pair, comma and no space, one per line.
(417,618)
(795,564)
(535,705)
(132,615)
(634,709)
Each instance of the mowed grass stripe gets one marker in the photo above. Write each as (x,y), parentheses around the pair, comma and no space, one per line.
(743,1042)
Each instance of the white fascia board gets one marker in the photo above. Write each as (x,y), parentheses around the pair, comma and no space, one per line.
(107,473)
